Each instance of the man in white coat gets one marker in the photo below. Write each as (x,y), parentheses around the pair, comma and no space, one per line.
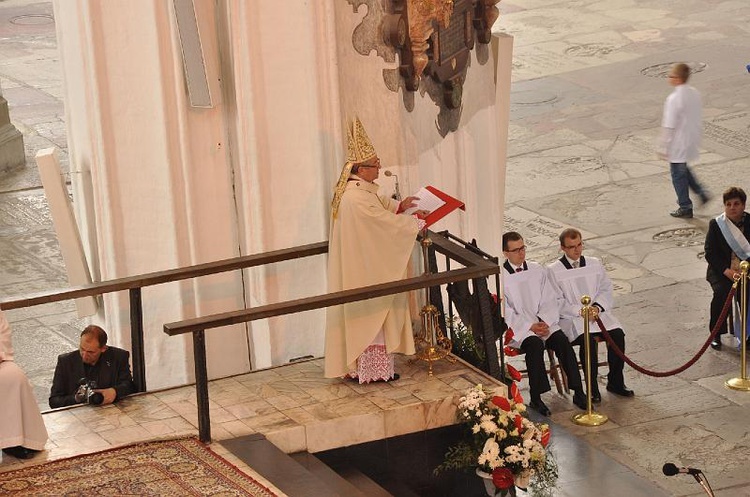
(575,276)
(22,430)
(681,138)
(532,313)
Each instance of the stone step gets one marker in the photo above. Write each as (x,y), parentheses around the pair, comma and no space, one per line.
(288,474)
(335,481)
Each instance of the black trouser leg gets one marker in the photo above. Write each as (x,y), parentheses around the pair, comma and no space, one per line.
(559,344)
(594,367)
(721,292)
(533,348)
(615,377)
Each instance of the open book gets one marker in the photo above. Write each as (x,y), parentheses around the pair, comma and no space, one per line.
(437,203)
(428,201)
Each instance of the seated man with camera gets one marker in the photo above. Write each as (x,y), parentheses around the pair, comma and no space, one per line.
(93,374)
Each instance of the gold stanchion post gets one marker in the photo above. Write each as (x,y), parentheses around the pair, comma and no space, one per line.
(589,418)
(432,344)
(742,383)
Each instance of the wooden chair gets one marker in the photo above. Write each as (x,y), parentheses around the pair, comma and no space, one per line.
(556,374)
(594,354)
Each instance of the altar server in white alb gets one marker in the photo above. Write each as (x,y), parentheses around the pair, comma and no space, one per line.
(532,313)
(371,242)
(22,430)
(575,276)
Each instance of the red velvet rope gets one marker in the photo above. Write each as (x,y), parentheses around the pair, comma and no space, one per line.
(661,374)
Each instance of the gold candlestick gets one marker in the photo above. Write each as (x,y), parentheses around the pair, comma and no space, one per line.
(432,344)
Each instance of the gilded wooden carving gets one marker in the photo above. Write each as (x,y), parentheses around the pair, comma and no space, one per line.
(435,37)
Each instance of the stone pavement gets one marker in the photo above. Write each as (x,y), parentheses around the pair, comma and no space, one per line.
(31,81)
(586,106)
(587,95)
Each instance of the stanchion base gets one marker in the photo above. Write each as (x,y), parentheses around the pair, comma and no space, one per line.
(742,384)
(589,419)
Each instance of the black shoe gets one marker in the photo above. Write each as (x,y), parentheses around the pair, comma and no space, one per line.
(705,197)
(540,407)
(716,343)
(395,377)
(579,399)
(684,213)
(596,397)
(622,391)
(20,452)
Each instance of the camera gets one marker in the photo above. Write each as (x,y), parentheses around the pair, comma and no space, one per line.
(86,394)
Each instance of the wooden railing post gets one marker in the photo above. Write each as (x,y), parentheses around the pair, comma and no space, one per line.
(136,340)
(201,385)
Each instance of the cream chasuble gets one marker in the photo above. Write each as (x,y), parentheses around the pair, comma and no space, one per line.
(20,420)
(369,244)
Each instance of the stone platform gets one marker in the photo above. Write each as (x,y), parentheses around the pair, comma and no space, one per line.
(293,406)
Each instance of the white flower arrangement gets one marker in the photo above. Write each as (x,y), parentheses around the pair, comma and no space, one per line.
(503,442)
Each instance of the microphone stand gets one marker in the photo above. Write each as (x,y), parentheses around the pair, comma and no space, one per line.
(703,482)
(397,194)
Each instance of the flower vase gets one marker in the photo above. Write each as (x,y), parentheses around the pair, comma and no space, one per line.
(490,487)
(521,480)
(487,479)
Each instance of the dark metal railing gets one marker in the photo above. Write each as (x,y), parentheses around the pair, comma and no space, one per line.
(480,289)
(477,268)
(134,284)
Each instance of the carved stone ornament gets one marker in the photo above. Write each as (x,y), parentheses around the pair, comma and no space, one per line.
(435,37)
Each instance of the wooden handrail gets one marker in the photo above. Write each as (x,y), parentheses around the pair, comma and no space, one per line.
(134,284)
(327,300)
(476,268)
(159,277)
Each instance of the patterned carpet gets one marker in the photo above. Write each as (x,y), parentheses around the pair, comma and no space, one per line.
(173,467)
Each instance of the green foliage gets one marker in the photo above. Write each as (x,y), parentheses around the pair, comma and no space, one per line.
(460,457)
(464,345)
(544,482)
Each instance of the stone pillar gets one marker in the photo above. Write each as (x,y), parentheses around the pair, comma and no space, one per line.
(11,140)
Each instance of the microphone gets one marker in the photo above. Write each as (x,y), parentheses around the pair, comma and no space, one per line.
(397,194)
(670,469)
